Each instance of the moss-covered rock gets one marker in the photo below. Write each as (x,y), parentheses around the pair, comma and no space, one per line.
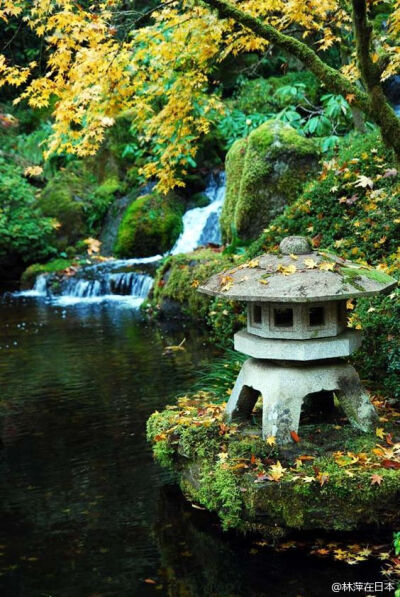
(51,267)
(265,173)
(178,278)
(151,225)
(334,478)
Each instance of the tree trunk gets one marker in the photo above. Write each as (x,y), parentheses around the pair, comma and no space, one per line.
(382,113)
(373,103)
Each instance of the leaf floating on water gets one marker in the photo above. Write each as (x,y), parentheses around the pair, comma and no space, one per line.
(174,348)
(150,581)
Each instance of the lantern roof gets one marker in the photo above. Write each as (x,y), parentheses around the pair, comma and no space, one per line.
(297,275)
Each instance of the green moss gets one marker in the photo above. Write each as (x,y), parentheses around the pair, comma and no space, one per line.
(226,468)
(55,265)
(265,172)
(234,165)
(151,225)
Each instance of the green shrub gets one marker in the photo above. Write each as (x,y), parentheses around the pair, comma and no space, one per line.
(25,233)
(151,225)
(260,95)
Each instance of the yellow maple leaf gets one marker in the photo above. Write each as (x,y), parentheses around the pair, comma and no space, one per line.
(380,432)
(271,440)
(286,270)
(326,266)
(310,263)
(276,472)
(33,171)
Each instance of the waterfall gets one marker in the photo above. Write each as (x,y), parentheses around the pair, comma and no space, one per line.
(129,281)
(108,281)
(201,224)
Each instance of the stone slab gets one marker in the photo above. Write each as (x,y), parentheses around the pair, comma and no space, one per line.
(297,350)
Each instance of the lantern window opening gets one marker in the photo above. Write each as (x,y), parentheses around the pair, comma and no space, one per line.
(257,315)
(283,317)
(316,316)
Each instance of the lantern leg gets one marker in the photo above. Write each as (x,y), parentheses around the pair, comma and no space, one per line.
(284,388)
(355,401)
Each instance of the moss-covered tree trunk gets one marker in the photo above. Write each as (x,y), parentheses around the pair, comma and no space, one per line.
(372,102)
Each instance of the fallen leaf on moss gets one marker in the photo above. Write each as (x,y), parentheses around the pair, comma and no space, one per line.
(376,479)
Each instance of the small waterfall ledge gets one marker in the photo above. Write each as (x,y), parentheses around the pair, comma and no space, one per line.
(129,281)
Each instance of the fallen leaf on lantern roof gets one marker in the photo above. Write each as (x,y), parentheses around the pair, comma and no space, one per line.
(286,270)
(326,266)
(310,263)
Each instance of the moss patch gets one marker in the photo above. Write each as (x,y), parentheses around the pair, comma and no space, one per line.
(333,478)
(265,172)
(151,225)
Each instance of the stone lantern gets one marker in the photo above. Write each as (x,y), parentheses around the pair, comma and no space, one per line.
(297,334)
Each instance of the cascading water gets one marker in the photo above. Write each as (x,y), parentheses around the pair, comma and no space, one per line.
(113,280)
(201,224)
(119,279)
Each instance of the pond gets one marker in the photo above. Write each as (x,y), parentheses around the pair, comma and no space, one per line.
(84,510)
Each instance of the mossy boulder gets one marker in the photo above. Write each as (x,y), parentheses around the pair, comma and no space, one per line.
(334,478)
(265,172)
(151,225)
(177,280)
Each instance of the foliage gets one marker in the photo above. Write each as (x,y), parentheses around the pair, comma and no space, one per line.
(219,377)
(101,64)
(25,233)
(397,543)
(150,226)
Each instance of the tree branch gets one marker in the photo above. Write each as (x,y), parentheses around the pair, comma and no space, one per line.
(331,77)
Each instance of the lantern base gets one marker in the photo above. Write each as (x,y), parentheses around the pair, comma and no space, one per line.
(284,388)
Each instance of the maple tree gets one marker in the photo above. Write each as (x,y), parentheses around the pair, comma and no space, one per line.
(106,59)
